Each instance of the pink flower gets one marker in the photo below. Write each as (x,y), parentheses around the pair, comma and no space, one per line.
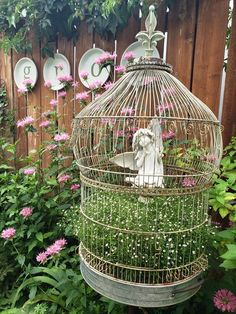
(166,106)
(51,147)
(105,57)
(47,114)
(120,133)
(127,111)
(53,102)
(61,242)
(62,94)
(168,91)
(129,56)
(28,82)
(65,78)
(42,257)
(120,69)
(75,84)
(61,137)
(167,135)
(97,96)
(209,158)
(188,182)
(59,66)
(22,90)
(84,75)
(82,96)
(108,85)
(63,178)
(29,171)
(225,300)
(48,84)
(26,212)
(75,187)
(110,121)
(45,124)
(8,233)
(95,85)
(24,122)
(53,249)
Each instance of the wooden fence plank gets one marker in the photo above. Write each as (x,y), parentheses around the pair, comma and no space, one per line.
(209,52)
(84,43)
(65,107)
(34,98)
(229,105)
(127,36)
(181,37)
(46,96)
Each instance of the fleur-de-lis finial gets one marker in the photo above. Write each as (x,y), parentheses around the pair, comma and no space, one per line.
(150,37)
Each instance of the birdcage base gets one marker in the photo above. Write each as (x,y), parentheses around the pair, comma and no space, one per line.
(141,295)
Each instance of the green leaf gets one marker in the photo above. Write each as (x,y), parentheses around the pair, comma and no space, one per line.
(223,212)
(229,264)
(226,234)
(33,292)
(39,236)
(21,259)
(231,253)
(32,245)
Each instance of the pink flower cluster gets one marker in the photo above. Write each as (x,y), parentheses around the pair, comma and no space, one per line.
(120,69)
(45,124)
(28,82)
(62,94)
(105,57)
(110,121)
(8,233)
(75,84)
(129,56)
(29,171)
(48,84)
(26,212)
(127,111)
(22,90)
(108,85)
(64,178)
(95,85)
(82,96)
(166,135)
(209,158)
(120,133)
(65,78)
(84,75)
(24,122)
(62,137)
(166,106)
(53,103)
(188,182)
(74,187)
(225,300)
(53,249)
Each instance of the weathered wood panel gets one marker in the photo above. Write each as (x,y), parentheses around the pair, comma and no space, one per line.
(181,38)
(229,105)
(209,51)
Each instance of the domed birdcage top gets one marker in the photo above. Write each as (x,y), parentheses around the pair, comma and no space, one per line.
(148,97)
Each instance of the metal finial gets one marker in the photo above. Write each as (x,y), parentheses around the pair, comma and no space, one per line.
(150,37)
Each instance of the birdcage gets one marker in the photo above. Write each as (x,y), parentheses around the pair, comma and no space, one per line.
(146,149)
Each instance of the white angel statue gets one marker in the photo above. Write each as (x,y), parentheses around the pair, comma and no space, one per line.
(146,157)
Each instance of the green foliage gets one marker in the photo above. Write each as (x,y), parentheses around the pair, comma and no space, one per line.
(223,193)
(56,18)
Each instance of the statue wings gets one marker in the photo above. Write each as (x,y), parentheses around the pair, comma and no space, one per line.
(125,160)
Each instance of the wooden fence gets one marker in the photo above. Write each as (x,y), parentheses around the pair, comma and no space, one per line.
(195,47)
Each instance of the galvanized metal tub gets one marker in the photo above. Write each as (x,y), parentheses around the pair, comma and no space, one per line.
(140,295)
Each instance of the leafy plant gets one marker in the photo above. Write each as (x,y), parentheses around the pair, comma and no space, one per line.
(223,193)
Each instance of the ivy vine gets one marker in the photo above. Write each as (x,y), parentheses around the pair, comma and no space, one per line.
(52,19)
